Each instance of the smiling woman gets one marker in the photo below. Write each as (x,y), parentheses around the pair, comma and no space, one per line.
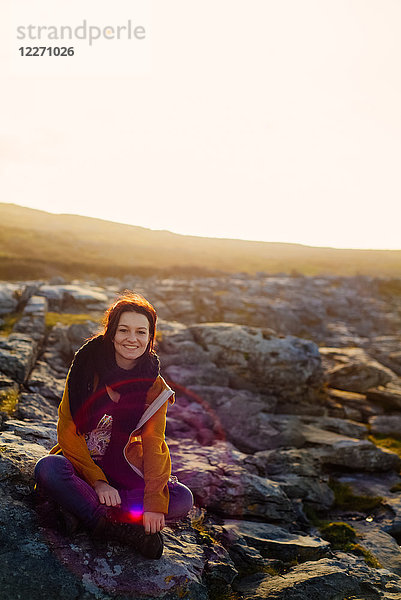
(131,339)
(111,467)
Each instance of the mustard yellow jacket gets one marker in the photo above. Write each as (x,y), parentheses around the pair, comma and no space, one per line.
(146,450)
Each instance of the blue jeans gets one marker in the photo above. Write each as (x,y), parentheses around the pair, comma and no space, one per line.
(58,479)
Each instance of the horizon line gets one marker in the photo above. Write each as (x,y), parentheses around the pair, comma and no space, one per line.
(203,236)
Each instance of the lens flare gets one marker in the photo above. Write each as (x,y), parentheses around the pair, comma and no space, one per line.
(135,514)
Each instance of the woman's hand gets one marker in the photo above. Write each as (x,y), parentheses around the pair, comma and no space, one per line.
(106,493)
(153,521)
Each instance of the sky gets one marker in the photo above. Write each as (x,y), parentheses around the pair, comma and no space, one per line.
(271,120)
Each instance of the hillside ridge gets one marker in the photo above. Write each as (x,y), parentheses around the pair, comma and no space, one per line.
(35,243)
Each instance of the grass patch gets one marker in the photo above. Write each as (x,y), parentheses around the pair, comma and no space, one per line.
(343,537)
(339,534)
(391,443)
(9,321)
(346,499)
(53,318)
(9,400)
(370,558)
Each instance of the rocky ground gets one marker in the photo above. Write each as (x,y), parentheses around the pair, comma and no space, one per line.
(287,428)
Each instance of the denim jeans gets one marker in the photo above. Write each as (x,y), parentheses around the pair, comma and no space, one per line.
(57,478)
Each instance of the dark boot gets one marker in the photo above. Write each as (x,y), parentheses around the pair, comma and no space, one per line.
(130,534)
(54,516)
(46,509)
(69,523)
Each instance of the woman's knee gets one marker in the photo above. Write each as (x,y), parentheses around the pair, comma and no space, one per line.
(181,499)
(50,467)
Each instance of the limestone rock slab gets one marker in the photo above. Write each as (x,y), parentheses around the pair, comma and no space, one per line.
(17,356)
(220,483)
(9,297)
(354,370)
(74,296)
(276,542)
(288,366)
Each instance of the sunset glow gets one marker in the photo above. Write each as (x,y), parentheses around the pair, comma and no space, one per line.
(271,121)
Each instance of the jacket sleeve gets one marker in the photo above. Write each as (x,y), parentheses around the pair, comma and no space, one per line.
(73,444)
(156,462)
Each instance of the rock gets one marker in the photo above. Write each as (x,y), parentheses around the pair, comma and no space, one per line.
(74,297)
(194,420)
(18,456)
(228,407)
(321,437)
(351,453)
(387,520)
(275,542)
(382,545)
(297,471)
(270,463)
(58,352)
(44,434)
(312,490)
(176,346)
(36,305)
(361,455)
(388,396)
(9,297)
(386,350)
(79,333)
(43,381)
(220,484)
(179,571)
(188,353)
(34,407)
(83,568)
(341,335)
(247,558)
(183,360)
(354,370)
(188,376)
(26,557)
(32,326)
(353,405)
(326,578)
(32,322)
(289,367)
(171,334)
(17,356)
(183,309)
(345,427)
(386,425)
(219,570)
(253,433)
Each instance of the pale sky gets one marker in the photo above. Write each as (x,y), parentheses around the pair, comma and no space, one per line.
(256,119)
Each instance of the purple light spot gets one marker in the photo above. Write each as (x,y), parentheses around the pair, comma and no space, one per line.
(136,514)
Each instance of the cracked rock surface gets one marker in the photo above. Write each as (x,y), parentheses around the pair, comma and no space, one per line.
(287,417)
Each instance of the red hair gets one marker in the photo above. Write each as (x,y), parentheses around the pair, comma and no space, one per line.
(129,302)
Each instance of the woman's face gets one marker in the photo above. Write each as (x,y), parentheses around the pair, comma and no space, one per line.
(131,338)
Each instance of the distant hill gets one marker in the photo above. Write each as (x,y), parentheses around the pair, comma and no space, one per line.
(37,244)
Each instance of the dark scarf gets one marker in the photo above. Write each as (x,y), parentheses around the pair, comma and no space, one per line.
(98,357)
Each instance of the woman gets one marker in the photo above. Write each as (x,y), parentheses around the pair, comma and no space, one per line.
(111,466)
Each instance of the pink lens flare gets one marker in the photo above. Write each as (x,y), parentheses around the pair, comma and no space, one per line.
(135,514)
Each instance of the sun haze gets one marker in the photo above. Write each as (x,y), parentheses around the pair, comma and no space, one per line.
(273,121)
